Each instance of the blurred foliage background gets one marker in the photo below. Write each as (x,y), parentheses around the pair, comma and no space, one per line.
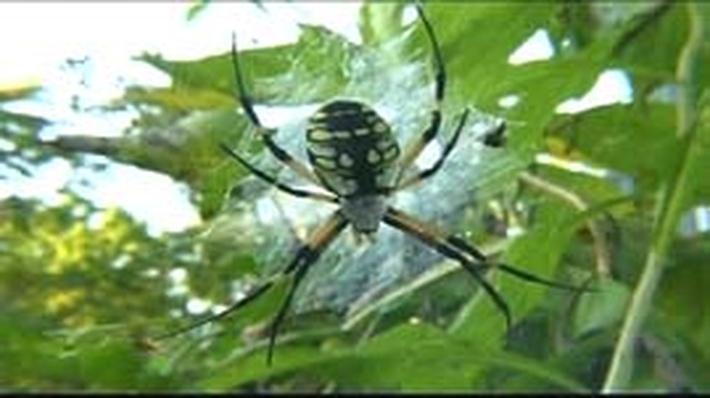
(85,289)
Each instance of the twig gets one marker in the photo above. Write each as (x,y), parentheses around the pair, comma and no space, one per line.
(601,249)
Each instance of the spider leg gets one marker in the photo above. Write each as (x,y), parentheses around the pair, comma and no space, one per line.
(306,256)
(271,180)
(414,149)
(265,133)
(220,315)
(426,173)
(454,247)
(440,242)
(524,275)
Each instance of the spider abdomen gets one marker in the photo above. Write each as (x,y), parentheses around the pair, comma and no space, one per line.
(351,148)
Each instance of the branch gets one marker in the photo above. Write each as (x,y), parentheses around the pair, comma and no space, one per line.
(669,208)
(86,144)
(601,249)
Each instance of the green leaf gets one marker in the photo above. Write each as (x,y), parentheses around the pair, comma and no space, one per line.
(196,9)
(601,309)
(608,136)
(698,189)
(407,358)
(650,50)
(273,75)
(380,22)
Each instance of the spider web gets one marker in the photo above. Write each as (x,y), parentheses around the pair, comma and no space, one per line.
(348,276)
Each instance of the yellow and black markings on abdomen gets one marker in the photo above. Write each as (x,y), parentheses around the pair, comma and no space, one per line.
(351,148)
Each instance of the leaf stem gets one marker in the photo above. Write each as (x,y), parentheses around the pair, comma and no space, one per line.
(601,248)
(671,200)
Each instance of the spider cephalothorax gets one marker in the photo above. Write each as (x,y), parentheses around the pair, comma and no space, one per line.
(356,159)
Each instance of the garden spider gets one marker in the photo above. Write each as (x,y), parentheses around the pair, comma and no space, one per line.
(356,159)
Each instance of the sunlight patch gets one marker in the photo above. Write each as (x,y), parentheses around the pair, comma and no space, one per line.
(118,185)
(196,306)
(612,87)
(537,47)
(509,101)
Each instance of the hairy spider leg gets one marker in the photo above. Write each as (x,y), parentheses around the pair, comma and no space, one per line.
(438,240)
(301,193)
(456,248)
(414,149)
(306,256)
(265,134)
(428,172)
(517,272)
(261,289)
